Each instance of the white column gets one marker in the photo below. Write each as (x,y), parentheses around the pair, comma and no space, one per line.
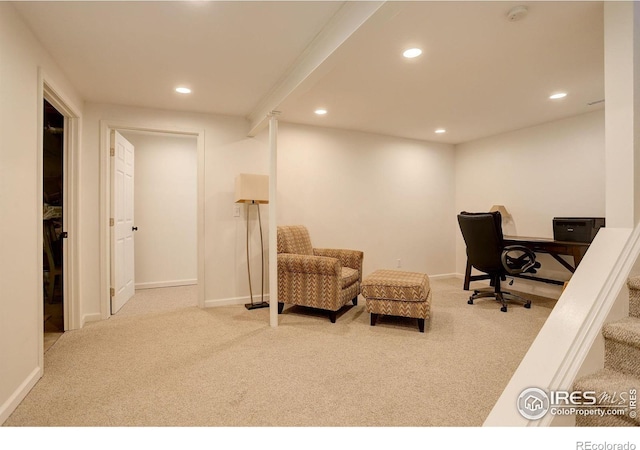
(622,96)
(273,219)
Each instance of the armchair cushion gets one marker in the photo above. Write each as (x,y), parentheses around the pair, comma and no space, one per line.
(348,276)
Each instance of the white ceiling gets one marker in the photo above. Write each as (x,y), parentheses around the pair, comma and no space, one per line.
(479,75)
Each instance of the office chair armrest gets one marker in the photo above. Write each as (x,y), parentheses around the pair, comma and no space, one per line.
(523,262)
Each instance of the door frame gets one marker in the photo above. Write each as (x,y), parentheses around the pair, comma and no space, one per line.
(48,90)
(106,126)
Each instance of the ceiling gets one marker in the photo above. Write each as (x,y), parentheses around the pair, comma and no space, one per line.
(479,75)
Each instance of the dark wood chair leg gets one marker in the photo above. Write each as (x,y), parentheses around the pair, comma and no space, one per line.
(374,318)
(467,276)
(421,325)
(332,316)
(280,307)
(355,301)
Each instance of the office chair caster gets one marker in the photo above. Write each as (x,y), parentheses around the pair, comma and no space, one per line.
(527,305)
(503,309)
(470,301)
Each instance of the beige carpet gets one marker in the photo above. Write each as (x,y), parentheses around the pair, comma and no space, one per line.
(163,362)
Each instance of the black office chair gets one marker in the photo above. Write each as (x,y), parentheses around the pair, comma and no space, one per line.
(482,233)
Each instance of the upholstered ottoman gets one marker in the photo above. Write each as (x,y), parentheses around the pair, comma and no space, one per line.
(397,293)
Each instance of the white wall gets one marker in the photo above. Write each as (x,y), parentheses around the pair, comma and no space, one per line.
(228,151)
(21,319)
(165,209)
(391,198)
(622,83)
(538,173)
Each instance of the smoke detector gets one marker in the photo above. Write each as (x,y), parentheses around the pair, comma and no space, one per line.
(517,13)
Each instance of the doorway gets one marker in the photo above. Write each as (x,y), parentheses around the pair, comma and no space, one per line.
(154,207)
(165,209)
(106,209)
(53,146)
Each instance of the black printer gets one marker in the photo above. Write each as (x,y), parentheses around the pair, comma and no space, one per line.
(576,229)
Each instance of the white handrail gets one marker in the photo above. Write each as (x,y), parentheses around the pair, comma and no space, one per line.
(562,345)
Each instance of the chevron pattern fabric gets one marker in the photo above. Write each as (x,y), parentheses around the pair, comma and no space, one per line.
(348,258)
(396,285)
(349,276)
(318,278)
(398,293)
(307,264)
(416,310)
(294,239)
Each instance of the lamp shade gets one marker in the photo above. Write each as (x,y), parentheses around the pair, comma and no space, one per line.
(501,209)
(251,188)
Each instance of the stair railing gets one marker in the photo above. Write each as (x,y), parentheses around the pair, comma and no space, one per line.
(563,347)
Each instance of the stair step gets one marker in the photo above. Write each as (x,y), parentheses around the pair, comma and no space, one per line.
(617,386)
(634,296)
(622,346)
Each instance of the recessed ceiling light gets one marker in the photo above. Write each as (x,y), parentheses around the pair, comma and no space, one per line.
(412,53)
(441,130)
(183,90)
(558,95)
(320,112)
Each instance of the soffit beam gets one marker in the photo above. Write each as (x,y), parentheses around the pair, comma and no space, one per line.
(342,25)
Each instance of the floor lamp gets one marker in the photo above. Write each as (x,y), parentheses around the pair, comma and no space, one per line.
(252,190)
(507,220)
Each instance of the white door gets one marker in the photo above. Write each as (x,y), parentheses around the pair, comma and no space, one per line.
(122,228)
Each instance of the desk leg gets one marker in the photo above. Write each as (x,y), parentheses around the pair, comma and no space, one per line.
(564,263)
(578,254)
(467,276)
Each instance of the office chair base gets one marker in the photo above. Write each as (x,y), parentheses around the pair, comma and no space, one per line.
(501,297)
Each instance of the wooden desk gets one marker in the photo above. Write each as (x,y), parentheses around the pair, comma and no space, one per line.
(540,245)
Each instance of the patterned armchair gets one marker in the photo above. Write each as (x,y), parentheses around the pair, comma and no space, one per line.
(318,278)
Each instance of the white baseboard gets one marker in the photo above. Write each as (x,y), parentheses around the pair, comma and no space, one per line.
(234,301)
(91,318)
(14,400)
(161,284)
(445,276)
